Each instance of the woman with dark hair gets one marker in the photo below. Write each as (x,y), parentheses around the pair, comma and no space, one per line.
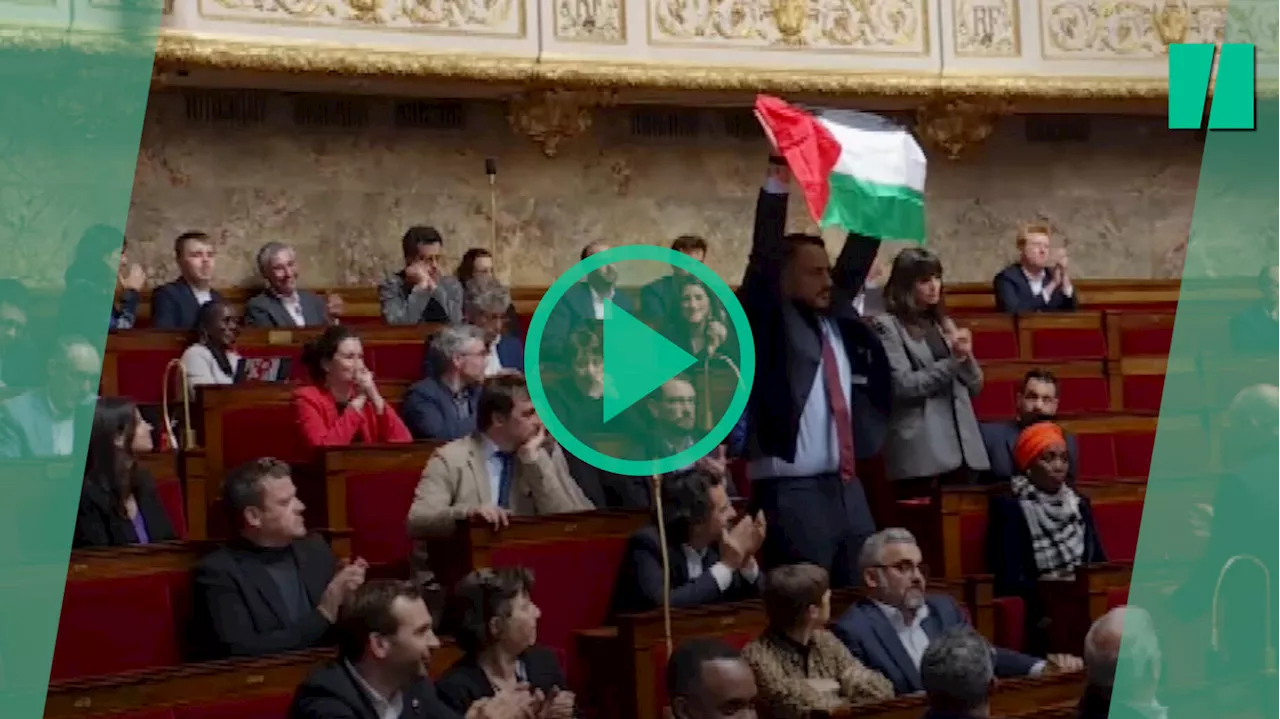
(497,630)
(211,358)
(933,434)
(701,327)
(101,253)
(118,500)
(343,406)
(476,262)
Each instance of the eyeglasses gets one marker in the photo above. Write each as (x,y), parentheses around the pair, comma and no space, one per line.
(906,567)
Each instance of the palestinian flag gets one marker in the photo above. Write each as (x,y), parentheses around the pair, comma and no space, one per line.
(858,171)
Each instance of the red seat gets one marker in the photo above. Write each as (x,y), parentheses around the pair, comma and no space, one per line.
(1118,527)
(1097,457)
(1142,392)
(1133,453)
(1083,395)
(1011,622)
(376,507)
(275,706)
(994,336)
(170,492)
(117,625)
(396,360)
(1068,344)
(1117,597)
(262,431)
(139,374)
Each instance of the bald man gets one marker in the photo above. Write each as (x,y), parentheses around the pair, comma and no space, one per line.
(1122,666)
(43,422)
(583,306)
(1239,550)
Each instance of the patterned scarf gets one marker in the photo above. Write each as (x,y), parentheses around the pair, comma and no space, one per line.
(1057,527)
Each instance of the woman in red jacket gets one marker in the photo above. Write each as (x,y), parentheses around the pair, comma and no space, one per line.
(343,405)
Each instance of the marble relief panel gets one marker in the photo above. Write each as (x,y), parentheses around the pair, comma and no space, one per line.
(1126,30)
(593,21)
(885,26)
(489,18)
(986,28)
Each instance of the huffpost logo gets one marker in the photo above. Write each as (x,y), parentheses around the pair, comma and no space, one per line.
(1190,68)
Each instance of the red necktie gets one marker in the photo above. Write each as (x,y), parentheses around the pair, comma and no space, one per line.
(839,409)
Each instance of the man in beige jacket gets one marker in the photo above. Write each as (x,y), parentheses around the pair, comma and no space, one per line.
(508,467)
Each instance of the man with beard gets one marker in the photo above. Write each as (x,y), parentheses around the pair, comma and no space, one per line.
(890,629)
(385,640)
(1036,402)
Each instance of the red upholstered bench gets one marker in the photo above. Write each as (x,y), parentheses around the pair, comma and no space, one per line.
(994,336)
(163,468)
(1083,388)
(1117,510)
(272,706)
(1138,333)
(1062,336)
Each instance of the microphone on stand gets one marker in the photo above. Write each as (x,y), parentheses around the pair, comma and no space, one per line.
(188,431)
(1269,657)
(491,169)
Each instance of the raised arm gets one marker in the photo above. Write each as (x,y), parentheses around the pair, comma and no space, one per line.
(762,280)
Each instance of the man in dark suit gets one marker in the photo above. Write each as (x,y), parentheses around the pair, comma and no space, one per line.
(45,421)
(957,674)
(283,304)
(889,630)
(583,306)
(1037,401)
(442,406)
(174,305)
(385,639)
(821,396)
(1123,636)
(273,588)
(658,300)
(711,559)
(1036,282)
(486,304)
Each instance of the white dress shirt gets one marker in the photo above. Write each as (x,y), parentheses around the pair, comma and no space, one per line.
(493,365)
(597,301)
(63,433)
(913,637)
(1037,283)
(203,297)
(293,305)
(719,571)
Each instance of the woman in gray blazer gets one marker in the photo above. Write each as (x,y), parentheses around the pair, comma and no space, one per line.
(933,433)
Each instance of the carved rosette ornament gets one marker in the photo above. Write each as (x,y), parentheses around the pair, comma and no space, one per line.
(1172,20)
(549,117)
(789,17)
(957,125)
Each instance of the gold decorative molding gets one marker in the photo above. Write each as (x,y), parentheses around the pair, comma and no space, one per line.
(1171,20)
(550,117)
(957,125)
(789,18)
(882,27)
(593,21)
(1126,30)
(478,18)
(986,28)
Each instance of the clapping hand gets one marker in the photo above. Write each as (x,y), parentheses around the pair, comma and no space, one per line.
(1064,663)
(962,343)
(132,278)
(334,305)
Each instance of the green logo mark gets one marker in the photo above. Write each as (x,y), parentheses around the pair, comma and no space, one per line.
(1234,91)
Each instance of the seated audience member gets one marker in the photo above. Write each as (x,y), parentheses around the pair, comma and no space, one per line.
(507,467)
(478,262)
(283,304)
(673,429)
(443,406)
(1122,667)
(18,355)
(1039,281)
(385,640)
(100,274)
(118,500)
(800,666)
(419,293)
(660,299)
(958,673)
(273,588)
(711,559)
(212,358)
(42,422)
(889,630)
(583,305)
(485,305)
(1039,529)
(700,326)
(1037,402)
(708,679)
(933,432)
(175,305)
(343,405)
(1256,329)
(498,632)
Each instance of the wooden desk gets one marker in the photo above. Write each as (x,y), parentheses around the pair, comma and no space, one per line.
(1011,696)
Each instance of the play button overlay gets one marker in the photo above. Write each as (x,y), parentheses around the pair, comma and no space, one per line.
(639,360)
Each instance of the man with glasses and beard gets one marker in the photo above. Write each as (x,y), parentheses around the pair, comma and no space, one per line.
(386,636)
(890,629)
(1037,402)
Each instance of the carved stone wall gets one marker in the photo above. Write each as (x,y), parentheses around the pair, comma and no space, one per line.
(1121,200)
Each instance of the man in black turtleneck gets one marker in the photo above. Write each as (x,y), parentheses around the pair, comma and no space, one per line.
(1037,401)
(274,588)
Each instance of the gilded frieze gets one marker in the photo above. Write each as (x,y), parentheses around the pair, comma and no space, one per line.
(879,26)
(1254,22)
(986,28)
(489,18)
(1126,29)
(595,21)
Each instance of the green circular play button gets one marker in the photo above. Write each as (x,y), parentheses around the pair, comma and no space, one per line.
(639,360)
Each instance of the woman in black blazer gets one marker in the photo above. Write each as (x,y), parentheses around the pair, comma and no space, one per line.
(118,501)
(1039,528)
(496,625)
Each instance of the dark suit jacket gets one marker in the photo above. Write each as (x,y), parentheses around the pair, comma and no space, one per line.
(1000,437)
(1013,294)
(174,306)
(575,312)
(607,489)
(429,412)
(866,630)
(265,310)
(98,524)
(22,365)
(510,354)
(658,301)
(465,682)
(639,585)
(240,606)
(788,347)
(331,692)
